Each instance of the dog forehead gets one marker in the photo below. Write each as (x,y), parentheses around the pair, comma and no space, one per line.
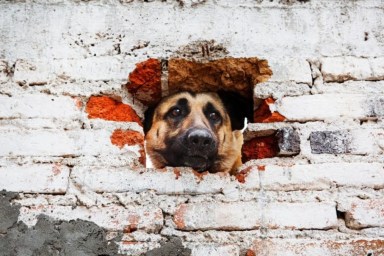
(194,101)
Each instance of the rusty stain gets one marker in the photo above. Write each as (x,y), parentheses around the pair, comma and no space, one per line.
(177,173)
(178,218)
(56,169)
(133,223)
(261,168)
(199,175)
(78,102)
(242,175)
(250,253)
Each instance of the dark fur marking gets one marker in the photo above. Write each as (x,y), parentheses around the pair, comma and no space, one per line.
(238,108)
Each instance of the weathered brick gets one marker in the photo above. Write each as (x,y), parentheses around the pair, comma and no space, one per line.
(172,181)
(284,247)
(93,68)
(61,143)
(39,106)
(248,215)
(260,147)
(329,106)
(339,69)
(290,70)
(116,218)
(278,90)
(44,178)
(288,141)
(363,213)
(342,142)
(323,176)
(214,250)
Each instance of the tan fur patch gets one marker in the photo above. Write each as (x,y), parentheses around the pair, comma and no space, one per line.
(229,142)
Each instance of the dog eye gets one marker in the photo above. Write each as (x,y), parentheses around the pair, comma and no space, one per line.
(214,116)
(175,112)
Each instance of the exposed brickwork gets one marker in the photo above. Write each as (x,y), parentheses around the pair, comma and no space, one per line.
(236,74)
(264,114)
(145,81)
(121,138)
(109,109)
(261,147)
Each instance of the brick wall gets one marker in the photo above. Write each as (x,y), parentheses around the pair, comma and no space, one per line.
(75,77)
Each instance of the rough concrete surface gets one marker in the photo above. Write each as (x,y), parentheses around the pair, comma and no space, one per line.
(49,237)
(173,247)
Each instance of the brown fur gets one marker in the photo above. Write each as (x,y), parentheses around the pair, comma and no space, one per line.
(161,129)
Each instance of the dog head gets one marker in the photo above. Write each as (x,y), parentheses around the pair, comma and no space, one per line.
(198,130)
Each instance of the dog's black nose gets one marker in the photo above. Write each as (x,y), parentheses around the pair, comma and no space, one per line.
(200,140)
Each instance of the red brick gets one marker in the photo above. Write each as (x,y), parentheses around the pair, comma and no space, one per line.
(234,74)
(121,138)
(105,107)
(260,147)
(263,113)
(145,81)
(283,247)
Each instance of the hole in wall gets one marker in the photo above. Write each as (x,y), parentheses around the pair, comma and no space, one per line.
(195,115)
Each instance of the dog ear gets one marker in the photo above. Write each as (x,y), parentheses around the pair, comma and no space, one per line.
(238,108)
(148,116)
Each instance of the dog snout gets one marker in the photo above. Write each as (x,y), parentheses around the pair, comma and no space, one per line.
(200,140)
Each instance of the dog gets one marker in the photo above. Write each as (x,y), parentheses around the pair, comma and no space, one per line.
(198,130)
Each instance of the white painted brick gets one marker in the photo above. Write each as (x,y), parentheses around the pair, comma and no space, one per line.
(323,176)
(363,213)
(248,215)
(30,73)
(162,181)
(290,70)
(278,90)
(38,106)
(116,218)
(215,250)
(301,215)
(92,68)
(329,106)
(281,34)
(61,143)
(323,247)
(339,69)
(358,87)
(44,178)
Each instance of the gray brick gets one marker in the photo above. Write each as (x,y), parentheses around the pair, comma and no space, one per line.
(288,141)
(330,142)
